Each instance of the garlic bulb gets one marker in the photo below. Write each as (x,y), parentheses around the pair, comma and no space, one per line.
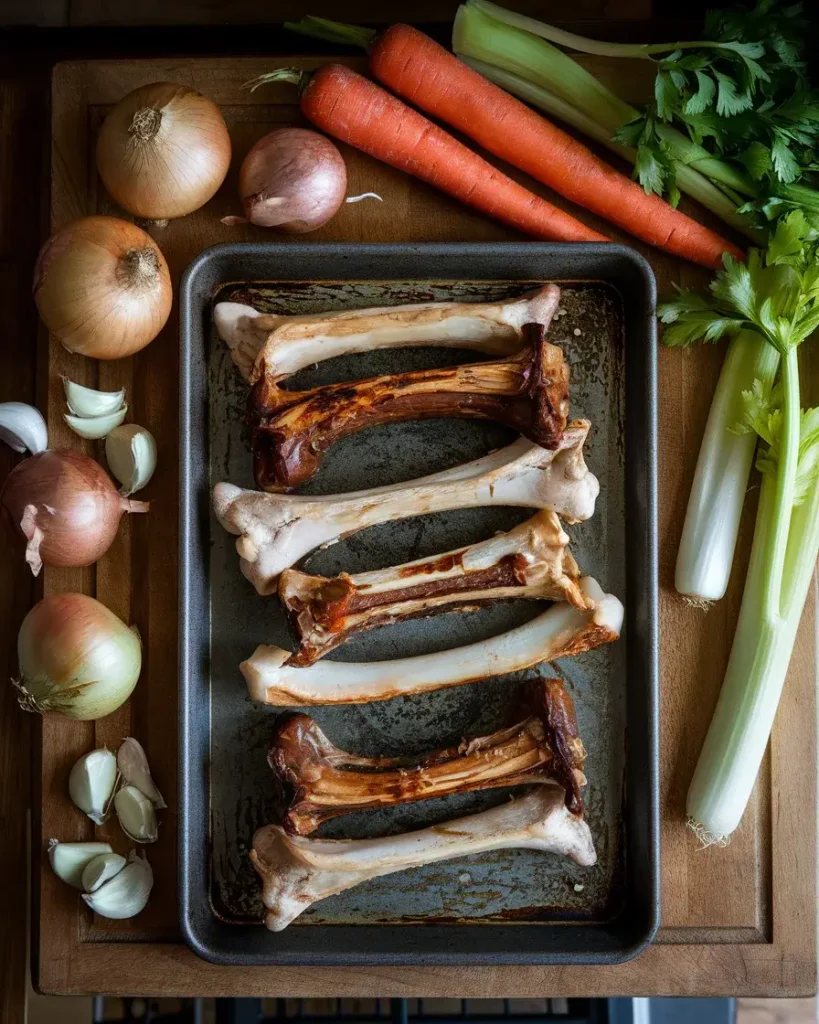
(88,403)
(133,766)
(126,894)
(136,815)
(92,782)
(22,427)
(100,869)
(131,454)
(93,428)
(69,860)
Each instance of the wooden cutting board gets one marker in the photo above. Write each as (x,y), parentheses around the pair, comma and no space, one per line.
(739,920)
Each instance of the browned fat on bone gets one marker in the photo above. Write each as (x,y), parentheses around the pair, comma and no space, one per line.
(293,429)
(318,781)
(530,561)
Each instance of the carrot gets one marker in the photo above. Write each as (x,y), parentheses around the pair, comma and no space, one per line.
(427,75)
(362,114)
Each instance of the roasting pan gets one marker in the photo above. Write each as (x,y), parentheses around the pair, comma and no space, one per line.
(514,907)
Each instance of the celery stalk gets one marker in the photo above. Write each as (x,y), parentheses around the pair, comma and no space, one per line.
(739,731)
(709,535)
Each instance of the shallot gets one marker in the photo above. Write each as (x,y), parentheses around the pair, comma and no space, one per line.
(293,179)
(65,506)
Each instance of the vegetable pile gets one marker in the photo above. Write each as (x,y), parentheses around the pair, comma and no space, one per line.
(734,122)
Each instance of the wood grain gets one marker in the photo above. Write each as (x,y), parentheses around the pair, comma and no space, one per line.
(735,921)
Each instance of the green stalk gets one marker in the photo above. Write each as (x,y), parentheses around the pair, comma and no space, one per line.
(581,43)
(785,487)
(332,31)
(689,180)
(739,731)
(712,518)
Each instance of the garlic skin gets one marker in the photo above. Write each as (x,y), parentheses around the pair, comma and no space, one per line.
(92,782)
(23,428)
(69,860)
(100,869)
(136,815)
(133,767)
(131,454)
(126,894)
(88,403)
(97,427)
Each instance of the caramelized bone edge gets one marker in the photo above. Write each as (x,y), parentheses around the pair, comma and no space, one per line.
(297,871)
(292,430)
(530,561)
(277,346)
(276,530)
(561,631)
(318,781)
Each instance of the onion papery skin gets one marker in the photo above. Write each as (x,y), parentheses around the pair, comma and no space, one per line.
(102,287)
(294,180)
(76,658)
(163,151)
(73,502)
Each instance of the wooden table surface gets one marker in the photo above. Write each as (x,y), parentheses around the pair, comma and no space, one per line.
(735,921)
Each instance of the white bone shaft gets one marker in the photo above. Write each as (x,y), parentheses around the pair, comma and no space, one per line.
(297,871)
(276,530)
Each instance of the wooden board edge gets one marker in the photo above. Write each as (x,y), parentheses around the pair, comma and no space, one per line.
(722,970)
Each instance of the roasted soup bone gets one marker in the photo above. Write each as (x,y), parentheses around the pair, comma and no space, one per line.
(297,871)
(276,530)
(318,781)
(281,345)
(559,632)
(293,430)
(530,561)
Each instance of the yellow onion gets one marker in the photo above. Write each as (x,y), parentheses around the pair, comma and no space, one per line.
(163,151)
(76,657)
(102,287)
(66,507)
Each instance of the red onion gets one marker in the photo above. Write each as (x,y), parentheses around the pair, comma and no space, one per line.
(66,507)
(293,179)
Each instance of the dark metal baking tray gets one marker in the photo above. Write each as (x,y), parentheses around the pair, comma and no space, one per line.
(517,907)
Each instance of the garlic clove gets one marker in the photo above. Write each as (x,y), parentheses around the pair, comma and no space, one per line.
(133,766)
(126,894)
(88,403)
(131,454)
(69,860)
(99,426)
(100,869)
(92,782)
(22,427)
(136,815)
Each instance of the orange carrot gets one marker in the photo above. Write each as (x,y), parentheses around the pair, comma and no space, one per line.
(427,75)
(362,114)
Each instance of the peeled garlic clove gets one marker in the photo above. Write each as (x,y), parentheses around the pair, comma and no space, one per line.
(133,766)
(92,782)
(88,403)
(100,869)
(136,815)
(131,454)
(22,427)
(99,426)
(69,860)
(126,894)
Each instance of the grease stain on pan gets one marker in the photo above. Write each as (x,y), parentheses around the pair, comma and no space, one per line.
(504,886)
